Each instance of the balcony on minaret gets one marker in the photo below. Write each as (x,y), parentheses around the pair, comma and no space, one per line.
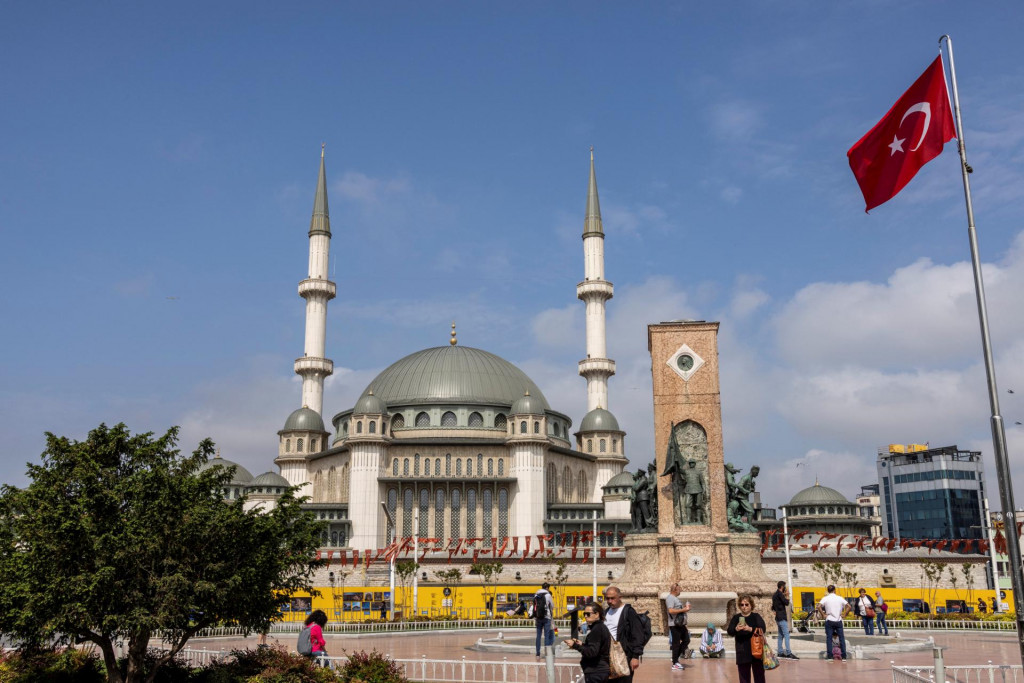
(314,365)
(597,366)
(314,286)
(601,288)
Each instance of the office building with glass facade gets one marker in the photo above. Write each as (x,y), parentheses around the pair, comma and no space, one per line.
(931,492)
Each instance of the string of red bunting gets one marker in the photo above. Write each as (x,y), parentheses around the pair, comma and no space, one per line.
(774,539)
(515,547)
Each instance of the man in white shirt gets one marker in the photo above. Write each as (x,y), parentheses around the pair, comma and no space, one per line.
(834,608)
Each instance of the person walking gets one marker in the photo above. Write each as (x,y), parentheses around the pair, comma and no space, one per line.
(864,607)
(543,613)
(834,608)
(742,628)
(711,646)
(780,606)
(318,646)
(624,625)
(677,625)
(595,648)
(881,609)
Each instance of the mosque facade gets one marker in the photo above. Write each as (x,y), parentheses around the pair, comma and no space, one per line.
(452,441)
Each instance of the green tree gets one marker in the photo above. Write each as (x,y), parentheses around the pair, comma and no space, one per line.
(966,569)
(121,538)
(953,579)
(450,579)
(931,574)
(830,572)
(849,580)
(406,572)
(489,573)
(558,577)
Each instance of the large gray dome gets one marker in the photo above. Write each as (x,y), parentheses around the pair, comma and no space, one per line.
(304,419)
(453,374)
(241,477)
(599,420)
(819,495)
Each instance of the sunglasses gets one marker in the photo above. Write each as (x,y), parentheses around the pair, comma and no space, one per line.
(590,614)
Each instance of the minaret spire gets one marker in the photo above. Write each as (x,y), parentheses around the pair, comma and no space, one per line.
(317,290)
(595,291)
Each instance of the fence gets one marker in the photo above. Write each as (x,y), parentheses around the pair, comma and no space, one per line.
(933,625)
(387,627)
(990,673)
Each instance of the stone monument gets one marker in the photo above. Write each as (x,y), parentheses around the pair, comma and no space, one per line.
(702,536)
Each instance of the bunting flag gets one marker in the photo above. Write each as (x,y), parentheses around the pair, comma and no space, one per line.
(604,553)
(586,555)
(318,554)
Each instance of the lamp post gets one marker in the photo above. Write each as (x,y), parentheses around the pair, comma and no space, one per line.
(391,563)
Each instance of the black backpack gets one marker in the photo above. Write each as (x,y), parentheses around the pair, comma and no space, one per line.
(540,606)
(645,626)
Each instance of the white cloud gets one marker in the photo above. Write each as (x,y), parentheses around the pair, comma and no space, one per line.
(560,327)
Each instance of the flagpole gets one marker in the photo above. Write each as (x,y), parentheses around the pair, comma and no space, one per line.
(998,430)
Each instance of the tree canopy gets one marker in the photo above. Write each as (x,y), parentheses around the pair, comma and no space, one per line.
(122,538)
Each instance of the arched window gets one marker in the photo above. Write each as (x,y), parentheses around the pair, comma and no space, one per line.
(490,467)
(407,513)
(334,538)
(615,445)
(476,419)
(470,513)
(551,484)
(448,465)
(344,427)
(522,427)
(424,512)
(567,492)
(536,427)
(469,467)
(439,513)
(332,484)
(449,419)
(426,466)
(501,467)
(500,421)
(458,467)
(287,445)
(394,467)
(488,500)
(298,445)
(422,420)
(831,511)
(312,445)
(359,427)
(318,485)
(397,422)
(821,510)
(456,508)
(590,445)
(373,426)
(479,464)
(345,484)
(581,485)
(392,507)
(502,513)
(437,467)
(405,467)
(602,445)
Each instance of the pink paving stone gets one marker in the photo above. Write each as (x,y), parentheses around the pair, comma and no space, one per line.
(961,648)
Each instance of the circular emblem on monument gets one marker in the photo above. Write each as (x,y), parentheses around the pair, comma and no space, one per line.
(696,563)
(685,362)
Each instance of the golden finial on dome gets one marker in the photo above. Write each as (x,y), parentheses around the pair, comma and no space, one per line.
(453,341)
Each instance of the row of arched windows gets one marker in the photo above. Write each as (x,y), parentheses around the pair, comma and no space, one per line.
(822,510)
(331,486)
(298,445)
(449,420)
(568,488)
(602,446)
(432,466)
(447,512)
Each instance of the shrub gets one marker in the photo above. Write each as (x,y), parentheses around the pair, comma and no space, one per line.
(265,665)
(372,667)
(47,666)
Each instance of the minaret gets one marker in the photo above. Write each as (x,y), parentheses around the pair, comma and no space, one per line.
(595,291)
(317,290)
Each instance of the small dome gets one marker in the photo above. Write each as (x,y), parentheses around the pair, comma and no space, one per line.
(528,404)
(241,477)
(599,420)
(370,404)
(304,419)
(819,495)
(623,478)
(270,479)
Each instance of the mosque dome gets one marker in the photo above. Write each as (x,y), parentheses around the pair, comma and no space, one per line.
(624,479)
(241,477)
(304,419)
(453,374)
(272,479)
(528,404)
(819,495)
(370,404)
(599,420)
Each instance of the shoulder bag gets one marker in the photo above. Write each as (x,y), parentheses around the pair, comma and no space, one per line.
(769,660)
(618,663)
(757,644)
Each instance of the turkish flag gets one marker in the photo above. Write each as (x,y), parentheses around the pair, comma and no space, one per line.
(907,138)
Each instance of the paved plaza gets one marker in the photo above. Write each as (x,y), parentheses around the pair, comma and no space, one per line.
(959,649)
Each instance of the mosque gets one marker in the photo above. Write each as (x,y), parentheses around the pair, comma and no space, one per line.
(450,442)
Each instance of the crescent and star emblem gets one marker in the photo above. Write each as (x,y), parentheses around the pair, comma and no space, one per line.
(922,107)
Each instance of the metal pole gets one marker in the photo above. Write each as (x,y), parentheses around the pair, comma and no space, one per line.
(987,526)
(789,572)
(940,668)
(998,430)
(594,544)
(415,556)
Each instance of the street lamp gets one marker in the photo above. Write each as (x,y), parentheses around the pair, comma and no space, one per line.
(391,564)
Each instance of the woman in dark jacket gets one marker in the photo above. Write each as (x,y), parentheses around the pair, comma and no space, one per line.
(594,650)
(742,629)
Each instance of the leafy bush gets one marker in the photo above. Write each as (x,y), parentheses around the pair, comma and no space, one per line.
(264,665)
(47,666)
(372,667)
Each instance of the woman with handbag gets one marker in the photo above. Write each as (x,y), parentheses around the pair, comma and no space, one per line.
(747,627)
(864,607)
(594,650)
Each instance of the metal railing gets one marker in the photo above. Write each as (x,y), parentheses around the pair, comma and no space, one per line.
(476,671)
(386,627)
(989,673)
(931,625)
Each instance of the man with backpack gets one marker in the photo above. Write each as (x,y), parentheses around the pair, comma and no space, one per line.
(543,610)
(628,629)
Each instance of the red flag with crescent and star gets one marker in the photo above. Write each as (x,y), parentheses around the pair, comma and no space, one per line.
(908,137)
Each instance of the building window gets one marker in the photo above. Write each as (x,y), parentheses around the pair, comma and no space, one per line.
(287,445)
(500,421)
(359,427)
(490,467)
(522,427)
(470,513)
(449,420)
(469,467)
(426,466)
(536,427)
(405,467)
(373,426)
(392,508)
(476,420)
(479,464)
(394,467)
(502,513)
(312,445)
(590,445)
(407,513)
(397,422)
(424,512)
(448,465)
(437,467)
(344,427)
(439,513)
(488,500)
(551,484)
(298,445)
(456,508)
(615,445)
(581,484)
(601,445)
(501,467)
(458,467)
(422,420)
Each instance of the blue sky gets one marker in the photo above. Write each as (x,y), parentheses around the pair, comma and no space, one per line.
(159,162)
